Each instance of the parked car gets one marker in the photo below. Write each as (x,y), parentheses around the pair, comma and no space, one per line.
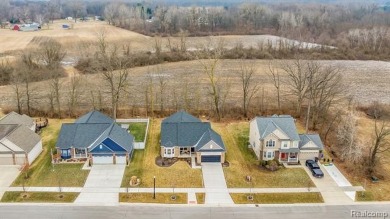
(314,168)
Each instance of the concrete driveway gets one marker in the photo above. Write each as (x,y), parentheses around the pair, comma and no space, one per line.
(215,184)
(102,185)
(7,175)
(329,189)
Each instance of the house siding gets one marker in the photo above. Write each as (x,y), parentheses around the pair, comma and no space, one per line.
(254,138)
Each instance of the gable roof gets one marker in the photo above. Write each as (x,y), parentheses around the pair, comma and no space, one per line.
(315,138)
(210,135)
(24,138)
(79,135)
(181,116)
(284,123)
(15,118)
(183,129)
(94,117)
(91,130)
(117,134)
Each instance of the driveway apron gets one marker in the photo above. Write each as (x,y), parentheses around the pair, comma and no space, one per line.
(215,184)
(102,185)
(329,189)
(7,175)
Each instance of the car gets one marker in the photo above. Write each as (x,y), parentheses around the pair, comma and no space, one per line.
(314,168)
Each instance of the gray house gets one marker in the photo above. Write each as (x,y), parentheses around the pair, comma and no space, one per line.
(97,137)
(184,136)
(19,144)
(276,137)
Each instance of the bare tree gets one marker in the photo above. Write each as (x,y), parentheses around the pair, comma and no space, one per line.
(275,76)
(250,86)
(17,87)
(52,53)
(162,84)
(297,80)
(55,87)
(74,92)
(114,70)
(348,143)
(380,144)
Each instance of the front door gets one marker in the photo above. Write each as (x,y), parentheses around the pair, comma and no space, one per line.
(283,155)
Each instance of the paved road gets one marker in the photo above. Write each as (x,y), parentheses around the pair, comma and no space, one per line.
(102,185)
(215,184)
(187,212)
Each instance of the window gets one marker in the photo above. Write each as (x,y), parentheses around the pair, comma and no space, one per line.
(270,143)
(169,151)
(285,144)
(269,154)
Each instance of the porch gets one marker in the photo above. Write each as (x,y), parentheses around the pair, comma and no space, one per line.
(288,157)
(185,152)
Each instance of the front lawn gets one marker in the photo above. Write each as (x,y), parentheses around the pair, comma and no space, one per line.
(162,198)
(179,175)
(278,198)
(200,198)
(42,197)
(41,171)
(243,162)
(138,130)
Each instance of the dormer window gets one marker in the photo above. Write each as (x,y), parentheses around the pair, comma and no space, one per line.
(270,143)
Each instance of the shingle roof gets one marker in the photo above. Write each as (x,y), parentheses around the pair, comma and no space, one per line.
(15,118)
(94,117)
(90,130)
(183,129)
(210,135)
(285,123)
(315,138)
(118,135)
(5,129)
(24,138)
(79,135)
(181,116)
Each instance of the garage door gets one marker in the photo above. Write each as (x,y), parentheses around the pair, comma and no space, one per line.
(101,159)
(308,155)
(6,160)
(211,158)
(120,159)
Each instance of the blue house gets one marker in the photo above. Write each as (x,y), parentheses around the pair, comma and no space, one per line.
(97,137)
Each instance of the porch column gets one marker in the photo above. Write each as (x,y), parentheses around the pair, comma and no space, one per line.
(280,156)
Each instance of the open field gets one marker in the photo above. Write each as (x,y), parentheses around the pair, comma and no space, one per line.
(43,173)
(143,166)
(278,198)
(40,197)
(244,163)
(162,198)
(367,81)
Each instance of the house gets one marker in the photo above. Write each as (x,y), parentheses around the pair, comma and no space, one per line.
(276,137)
(97,137)
(19,144)
(185,136)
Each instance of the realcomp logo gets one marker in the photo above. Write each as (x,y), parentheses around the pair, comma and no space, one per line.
(369,214)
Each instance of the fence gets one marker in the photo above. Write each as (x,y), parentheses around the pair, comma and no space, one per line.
(138,145)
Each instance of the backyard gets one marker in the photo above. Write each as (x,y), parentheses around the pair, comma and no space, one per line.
(143,166)
(138,130)
(243,162)
(42,173)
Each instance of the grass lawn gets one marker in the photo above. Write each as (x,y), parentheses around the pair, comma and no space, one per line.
(39,197)
(163,198)
(364,196)
(278,198)
(200,198)
(243,162)
(138,130)
(179,175)
(41,171)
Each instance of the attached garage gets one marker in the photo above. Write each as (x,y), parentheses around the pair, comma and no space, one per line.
(211,158)
(120,159)
(6,159)
(308,154)
(102,159)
